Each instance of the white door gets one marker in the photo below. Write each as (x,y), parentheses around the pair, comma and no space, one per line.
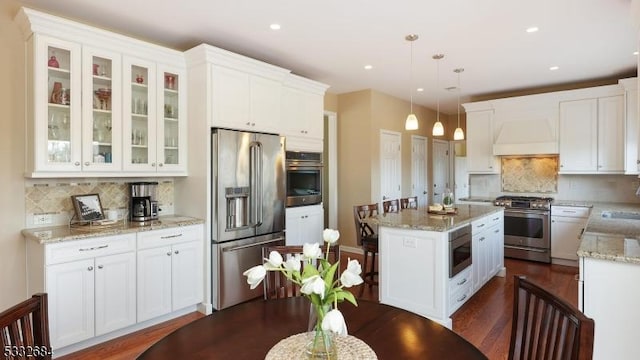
(460,174)
(440,169)
(419,183)
(390,165)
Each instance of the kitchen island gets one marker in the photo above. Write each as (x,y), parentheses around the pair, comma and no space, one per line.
(416,258)
(608,290)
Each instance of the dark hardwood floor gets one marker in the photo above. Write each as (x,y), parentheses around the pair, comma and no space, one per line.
(485,320)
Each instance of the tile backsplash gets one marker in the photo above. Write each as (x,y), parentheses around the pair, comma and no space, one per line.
(53,197)
(537,174)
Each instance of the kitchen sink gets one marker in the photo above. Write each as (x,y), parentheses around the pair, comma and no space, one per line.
(621,215)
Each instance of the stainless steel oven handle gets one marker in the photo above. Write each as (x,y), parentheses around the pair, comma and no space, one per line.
(251,245)
(525,248)
(528,212)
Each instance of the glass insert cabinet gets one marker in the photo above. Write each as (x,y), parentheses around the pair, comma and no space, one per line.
(98,112)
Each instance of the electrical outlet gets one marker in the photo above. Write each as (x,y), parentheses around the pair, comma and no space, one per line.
(42,219)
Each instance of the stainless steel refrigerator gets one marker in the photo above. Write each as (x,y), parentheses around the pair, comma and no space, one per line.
(248,208)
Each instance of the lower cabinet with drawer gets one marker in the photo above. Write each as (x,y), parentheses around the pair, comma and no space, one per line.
(487,248)
(91,286)
(460,289)
(169,270)
(103,287)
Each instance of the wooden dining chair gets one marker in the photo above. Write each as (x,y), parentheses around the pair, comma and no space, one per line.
(546,327)
(368,239)
(26,326)
(409,202)
(276,285)
(390,206)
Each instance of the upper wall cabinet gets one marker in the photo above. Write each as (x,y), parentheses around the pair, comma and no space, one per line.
(236,92)
(592,135)
(480,158)
(302,109)
(92,110)
(241,93)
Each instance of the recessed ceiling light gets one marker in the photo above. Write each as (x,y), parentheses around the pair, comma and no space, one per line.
(532,29)
(553,68)
(275,26)
(635,53)
(419,89)
(368,67)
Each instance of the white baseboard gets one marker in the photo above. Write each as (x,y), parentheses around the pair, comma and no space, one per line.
(206,309)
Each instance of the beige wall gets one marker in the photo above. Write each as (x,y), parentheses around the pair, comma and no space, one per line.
(12,207)
(361,116)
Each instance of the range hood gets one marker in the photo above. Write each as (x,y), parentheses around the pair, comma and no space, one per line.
(526,138)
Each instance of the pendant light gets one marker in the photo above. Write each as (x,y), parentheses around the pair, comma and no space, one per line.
(412,121)
(438,128)
(458,134)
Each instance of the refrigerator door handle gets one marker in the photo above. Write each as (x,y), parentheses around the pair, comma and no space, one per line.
(255,197)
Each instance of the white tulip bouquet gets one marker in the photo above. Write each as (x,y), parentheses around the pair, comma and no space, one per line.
(318,284)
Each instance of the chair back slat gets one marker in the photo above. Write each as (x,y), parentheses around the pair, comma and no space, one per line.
(390,206)
(546,327)
(364,230)
(27,324)
(409,202)
(276,285)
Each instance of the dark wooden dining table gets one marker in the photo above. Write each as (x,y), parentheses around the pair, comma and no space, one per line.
(249,330)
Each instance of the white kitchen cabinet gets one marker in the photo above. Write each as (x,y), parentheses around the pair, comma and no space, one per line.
(244,101)
(487,248)
(154,118)
(460,289)
(480,158)
(304,224)
(91,286)
(567,225)
(632,129)
(92,102)
(169,270)
(610,297)
(592,135)
(303,114)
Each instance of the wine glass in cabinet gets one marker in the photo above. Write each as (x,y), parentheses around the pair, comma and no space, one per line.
(171,128)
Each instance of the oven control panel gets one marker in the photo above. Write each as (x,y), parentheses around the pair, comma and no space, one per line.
(523,202)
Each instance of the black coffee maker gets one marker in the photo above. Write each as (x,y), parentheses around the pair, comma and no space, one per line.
(144,205)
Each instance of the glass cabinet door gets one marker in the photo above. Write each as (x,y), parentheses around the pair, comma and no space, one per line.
(102,111)
(140,115)
(59,123)
(171,126)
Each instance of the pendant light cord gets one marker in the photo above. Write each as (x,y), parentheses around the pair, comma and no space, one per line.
(411,80)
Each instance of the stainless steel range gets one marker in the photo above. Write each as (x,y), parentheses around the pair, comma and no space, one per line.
(527,227)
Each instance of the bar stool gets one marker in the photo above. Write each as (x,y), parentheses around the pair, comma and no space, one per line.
(409,202)
(390,206)
(368,239)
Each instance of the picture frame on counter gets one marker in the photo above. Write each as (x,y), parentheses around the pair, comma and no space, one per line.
(87,207)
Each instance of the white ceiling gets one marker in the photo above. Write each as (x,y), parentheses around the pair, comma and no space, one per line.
(331,40)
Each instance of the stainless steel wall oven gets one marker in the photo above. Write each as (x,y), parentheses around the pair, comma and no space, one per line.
(304,178)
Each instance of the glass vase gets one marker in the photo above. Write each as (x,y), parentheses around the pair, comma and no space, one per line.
(320,344)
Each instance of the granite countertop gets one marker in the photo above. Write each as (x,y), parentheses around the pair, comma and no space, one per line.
(54,234)
(420,219)
(606,238)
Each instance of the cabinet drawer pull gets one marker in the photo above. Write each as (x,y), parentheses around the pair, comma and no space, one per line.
(160,165)
(94,248)
(77,163)
(86,163)
(100,266)
(463,281)
(170,236)
(462,298)
(90,268)
(169,253)
(496,219)
(482,238)
(496,231)
(481,225)
(176,252)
